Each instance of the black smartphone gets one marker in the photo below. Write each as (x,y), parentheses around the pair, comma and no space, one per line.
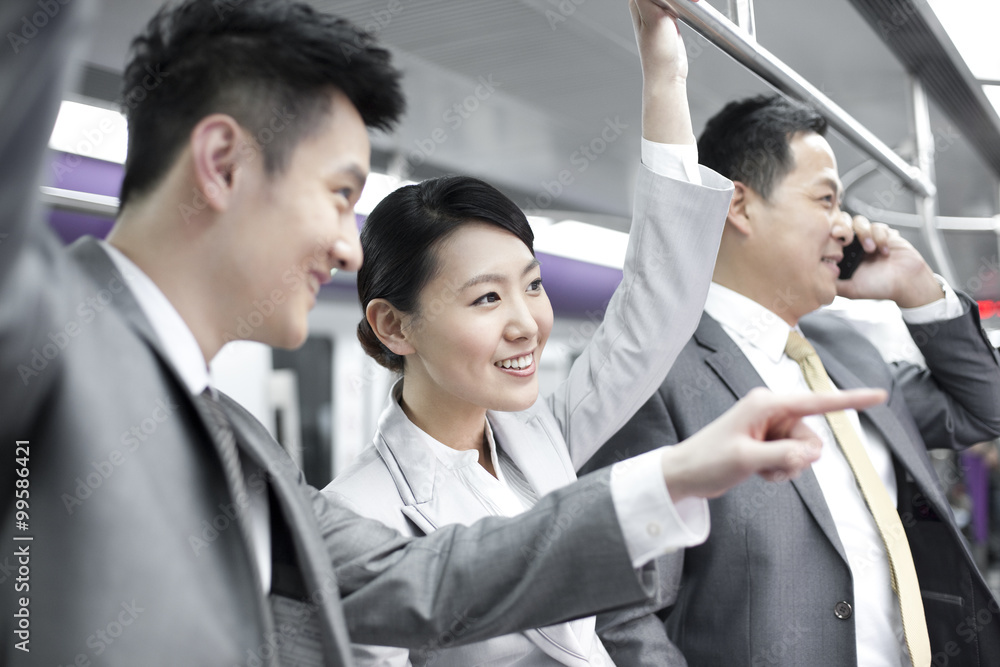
(853,254)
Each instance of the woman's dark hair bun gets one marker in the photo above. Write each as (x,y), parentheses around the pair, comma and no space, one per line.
(376,349)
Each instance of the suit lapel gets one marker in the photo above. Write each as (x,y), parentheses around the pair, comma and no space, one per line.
(320,613)
(93,259)
(99,266)
(883,419)
(96,262)
(547,467)
(545,464)
(726,359)
(433,497)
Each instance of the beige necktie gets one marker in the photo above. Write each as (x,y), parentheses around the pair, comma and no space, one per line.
(890,528)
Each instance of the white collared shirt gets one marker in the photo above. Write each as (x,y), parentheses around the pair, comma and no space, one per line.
(507,494)
(761,335)
(498,495)
(181,348)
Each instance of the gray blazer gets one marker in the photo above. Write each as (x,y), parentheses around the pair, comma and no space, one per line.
(133,558)
(398,480)
(764,588)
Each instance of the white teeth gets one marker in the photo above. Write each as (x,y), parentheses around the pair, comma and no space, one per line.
(517,364)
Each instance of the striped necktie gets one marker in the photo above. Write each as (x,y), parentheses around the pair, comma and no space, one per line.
(890,528)
(294,625)
(225,440)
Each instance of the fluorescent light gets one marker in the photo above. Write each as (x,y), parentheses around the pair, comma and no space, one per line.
(90,131)
(377,187)
(993,95)
(583,242)
(971,25)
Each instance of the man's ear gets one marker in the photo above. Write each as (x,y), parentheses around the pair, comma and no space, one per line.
(741,208)
(217,143)
(388,324)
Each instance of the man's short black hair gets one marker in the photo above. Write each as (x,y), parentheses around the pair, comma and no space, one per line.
(748,141)
(270,64)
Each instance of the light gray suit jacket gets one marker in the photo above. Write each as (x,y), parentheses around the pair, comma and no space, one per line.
(763,589)
(134,559)
(398,480)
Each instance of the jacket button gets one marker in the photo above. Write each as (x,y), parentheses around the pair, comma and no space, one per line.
(842,610)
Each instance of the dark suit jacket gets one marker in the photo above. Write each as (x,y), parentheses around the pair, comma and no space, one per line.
(133,557)
(763,589)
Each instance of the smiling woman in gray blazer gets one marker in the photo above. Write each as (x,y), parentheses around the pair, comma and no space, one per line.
(454,302)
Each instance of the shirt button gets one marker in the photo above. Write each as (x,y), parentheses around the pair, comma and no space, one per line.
(842,610)
(653,529)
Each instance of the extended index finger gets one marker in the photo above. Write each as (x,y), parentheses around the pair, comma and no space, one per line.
(812,404)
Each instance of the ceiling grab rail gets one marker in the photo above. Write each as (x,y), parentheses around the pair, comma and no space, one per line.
(743,47)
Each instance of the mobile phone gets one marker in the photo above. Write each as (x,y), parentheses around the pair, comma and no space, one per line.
(853,254)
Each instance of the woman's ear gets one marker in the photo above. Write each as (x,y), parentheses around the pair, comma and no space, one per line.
(387,323)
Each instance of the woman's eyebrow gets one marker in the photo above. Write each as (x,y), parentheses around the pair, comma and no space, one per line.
(496,277)
(484,278)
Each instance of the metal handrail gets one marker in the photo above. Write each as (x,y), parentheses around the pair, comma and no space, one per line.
(719,30)
(80,202)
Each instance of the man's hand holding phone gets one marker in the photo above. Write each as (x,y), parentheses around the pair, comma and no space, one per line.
(886,266)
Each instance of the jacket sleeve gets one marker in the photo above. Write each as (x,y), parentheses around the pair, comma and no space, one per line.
(36,278)
(563,559)
(676,229)
(637,635)
(955,401)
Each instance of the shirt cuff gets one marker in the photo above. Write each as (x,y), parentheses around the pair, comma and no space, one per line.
(651,522)
(947,308)
(677,161)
